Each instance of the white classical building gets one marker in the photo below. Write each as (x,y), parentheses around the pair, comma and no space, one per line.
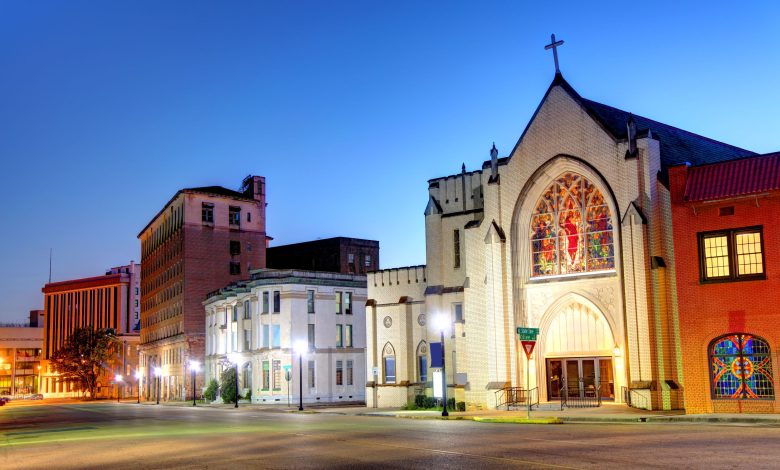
(261,319)
(571,234)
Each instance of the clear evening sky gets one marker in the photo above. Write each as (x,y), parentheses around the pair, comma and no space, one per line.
(347,108)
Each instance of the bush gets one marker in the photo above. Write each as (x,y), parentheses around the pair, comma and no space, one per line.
(419,401)
(228,393)
(429,402)
(249,395)
(451,404)
(461,406)
(210,393)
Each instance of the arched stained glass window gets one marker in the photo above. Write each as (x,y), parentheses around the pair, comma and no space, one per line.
(571,229)
(741,367)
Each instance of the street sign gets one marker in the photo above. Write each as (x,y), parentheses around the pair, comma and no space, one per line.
(528,347)
(527,334)
(287,367)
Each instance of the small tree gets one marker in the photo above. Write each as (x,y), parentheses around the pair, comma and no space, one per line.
(228,380)
(86,354)
(211,390)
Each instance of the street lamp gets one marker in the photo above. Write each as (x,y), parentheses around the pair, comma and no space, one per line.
(118,380)
(158,373)
(300,348)
(235,358)
(441,322)
(138,384)
(194,368)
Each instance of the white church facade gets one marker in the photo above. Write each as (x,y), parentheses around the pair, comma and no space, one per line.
(570,234)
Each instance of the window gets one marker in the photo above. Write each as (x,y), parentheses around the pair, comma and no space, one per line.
(235,247)
(571,229)
(389,369)
(265,302)
(248,216)
(422,368)
(247,310)
(457,310)
(207,212)
(350,375)
(310,301)
(235,268)
(234,215)
(266,376)
(338,302)
(276,337)
(247,340)
(339,372)
(348,303)
(351,262)
(277,301)
(367,261)
(277,369)
(235,312)
(266,337)
(339,336)
(741,366)
(311,337)
(348,336)
(732,255)
(456,248)
(312,383)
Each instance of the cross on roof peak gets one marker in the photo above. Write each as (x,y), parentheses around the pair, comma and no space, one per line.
(554,45)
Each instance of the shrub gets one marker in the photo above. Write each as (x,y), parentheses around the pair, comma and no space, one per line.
(228,393)
(419,401)
(211,390)
(249,395)
(429,402)
(451,404)
(461,406)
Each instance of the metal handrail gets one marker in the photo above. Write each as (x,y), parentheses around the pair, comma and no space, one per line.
(516,396)
(585,397)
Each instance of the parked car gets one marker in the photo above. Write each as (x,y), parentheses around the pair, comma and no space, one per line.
(36,396)
(3,401)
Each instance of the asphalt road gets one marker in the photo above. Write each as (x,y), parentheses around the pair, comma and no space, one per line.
(109,435)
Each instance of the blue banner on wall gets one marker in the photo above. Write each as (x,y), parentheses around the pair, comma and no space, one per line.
(436,355)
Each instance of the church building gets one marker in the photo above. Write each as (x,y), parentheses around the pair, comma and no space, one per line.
(570,234)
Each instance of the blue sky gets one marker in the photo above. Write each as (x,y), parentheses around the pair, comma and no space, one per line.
(347,108)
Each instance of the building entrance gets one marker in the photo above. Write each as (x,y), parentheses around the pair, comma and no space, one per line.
(584,377)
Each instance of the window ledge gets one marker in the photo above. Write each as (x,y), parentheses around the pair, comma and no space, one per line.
(572,276)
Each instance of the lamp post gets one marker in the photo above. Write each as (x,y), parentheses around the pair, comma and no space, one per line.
(39,380)
(441,322)
(158,373)
(194,368)
(118,380)
(235,358)
(138,385)
(300,348)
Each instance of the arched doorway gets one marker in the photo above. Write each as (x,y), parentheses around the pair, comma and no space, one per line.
(580,356)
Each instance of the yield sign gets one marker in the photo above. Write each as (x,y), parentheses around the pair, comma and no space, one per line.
(528,347)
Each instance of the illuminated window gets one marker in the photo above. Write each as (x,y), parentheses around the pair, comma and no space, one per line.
(571,229)
(741,366)
(732,255)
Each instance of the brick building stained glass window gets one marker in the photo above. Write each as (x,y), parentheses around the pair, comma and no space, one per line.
(571,229)
(730,255)
(741,367)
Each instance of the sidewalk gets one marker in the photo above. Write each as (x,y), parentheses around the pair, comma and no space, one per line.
(607,413)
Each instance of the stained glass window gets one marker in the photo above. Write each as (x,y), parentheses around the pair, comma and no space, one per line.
(571,229)
(741,367)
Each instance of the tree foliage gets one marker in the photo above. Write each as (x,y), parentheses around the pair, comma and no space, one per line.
(85,355)
(211,390)
(228,380)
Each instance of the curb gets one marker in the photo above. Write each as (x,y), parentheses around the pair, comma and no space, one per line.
(519,420)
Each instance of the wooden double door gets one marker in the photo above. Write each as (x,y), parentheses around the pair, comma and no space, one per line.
(584,377)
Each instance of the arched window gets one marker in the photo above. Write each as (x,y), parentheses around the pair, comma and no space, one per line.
(741,367)
(571,229)
(422,362)
(388,362)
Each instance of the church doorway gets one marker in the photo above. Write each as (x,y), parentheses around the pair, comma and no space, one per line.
(583,377)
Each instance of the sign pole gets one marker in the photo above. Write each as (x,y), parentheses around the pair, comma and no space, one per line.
(528,383)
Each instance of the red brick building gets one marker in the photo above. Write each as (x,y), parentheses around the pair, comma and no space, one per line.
(201,240)
(338,255)
(725,216)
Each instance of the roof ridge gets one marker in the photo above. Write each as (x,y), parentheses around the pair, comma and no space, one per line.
(589,101)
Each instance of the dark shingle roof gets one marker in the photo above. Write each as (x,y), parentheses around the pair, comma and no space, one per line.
(677,146)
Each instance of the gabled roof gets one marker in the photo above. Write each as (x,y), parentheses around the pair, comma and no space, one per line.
(735,178)
(677,146)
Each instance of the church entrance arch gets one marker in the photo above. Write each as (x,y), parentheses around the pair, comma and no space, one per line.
(578,348)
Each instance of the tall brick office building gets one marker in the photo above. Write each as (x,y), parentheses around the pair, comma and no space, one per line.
(201,240)
(725,217)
